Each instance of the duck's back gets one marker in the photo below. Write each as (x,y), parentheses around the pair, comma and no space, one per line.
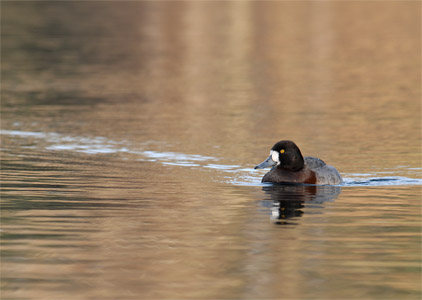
(324,173)
(314,163)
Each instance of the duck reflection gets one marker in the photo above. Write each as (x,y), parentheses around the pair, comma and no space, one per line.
(288,201)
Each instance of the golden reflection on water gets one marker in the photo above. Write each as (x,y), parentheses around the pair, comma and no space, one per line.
(226,80)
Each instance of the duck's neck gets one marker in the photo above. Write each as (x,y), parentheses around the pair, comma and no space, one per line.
(291,168)
(294,164)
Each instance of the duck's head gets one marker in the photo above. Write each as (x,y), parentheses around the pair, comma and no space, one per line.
(284,154)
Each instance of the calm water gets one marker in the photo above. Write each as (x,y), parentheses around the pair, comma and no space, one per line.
(130,131)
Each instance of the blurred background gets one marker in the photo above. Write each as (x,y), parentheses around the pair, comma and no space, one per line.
(130,130)
(230,74)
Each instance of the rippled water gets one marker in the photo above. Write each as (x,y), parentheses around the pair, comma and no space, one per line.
(129,133)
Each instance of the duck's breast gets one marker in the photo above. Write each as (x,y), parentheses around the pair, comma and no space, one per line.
(279,175)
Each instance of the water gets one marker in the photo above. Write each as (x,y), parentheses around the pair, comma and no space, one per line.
(130,131)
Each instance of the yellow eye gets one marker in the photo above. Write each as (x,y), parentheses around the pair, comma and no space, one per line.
(282,151)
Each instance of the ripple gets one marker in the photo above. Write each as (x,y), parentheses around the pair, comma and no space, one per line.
(225,168)
(381,181)
(240,175)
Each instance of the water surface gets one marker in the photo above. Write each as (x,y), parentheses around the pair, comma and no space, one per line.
(130,131)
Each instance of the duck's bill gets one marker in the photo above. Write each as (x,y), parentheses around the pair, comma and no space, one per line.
(269,162)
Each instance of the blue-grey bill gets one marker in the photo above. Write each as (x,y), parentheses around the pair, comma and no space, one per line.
(269,162)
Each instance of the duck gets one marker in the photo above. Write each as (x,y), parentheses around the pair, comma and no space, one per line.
(290,167)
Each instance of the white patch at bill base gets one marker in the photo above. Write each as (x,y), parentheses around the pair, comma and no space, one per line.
(275,156)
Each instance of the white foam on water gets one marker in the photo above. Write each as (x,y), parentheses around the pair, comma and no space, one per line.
(225,168)
(182,164)
(175,156)
(23,133)
(100,145)
(381,181)
(240,175)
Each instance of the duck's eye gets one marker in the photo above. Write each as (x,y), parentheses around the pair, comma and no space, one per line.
(282,151)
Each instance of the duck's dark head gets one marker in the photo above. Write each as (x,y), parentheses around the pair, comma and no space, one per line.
(284,154)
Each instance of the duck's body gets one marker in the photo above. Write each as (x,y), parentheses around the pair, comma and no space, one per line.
(315,171)
(289,166)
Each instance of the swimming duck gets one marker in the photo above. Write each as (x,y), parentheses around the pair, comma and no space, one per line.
(289,166)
